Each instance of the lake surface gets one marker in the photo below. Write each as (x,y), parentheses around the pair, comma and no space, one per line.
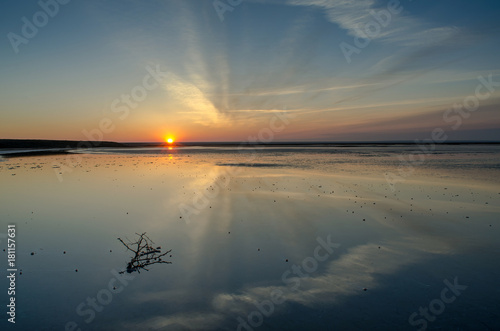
(275,238)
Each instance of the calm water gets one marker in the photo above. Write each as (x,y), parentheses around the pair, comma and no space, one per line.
(271,239)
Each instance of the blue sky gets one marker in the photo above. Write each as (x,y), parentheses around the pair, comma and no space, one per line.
(223,80)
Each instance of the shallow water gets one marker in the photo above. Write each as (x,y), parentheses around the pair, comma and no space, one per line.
(249,233)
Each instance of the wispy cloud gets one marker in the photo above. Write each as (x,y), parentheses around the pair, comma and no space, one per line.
(193,100)
(402,29)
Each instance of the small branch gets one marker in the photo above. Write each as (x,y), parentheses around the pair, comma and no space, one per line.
(144,254)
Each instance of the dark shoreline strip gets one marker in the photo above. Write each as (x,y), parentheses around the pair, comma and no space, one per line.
(34,153)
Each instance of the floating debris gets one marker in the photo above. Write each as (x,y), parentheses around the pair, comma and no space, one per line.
(144,254)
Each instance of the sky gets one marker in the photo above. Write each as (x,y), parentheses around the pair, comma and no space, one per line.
(250,70)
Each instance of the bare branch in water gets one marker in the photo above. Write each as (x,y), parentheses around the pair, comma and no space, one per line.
(145,254)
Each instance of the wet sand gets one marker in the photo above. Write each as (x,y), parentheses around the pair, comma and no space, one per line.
(239,230)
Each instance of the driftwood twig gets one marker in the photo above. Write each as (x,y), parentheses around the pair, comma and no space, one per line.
(145,254)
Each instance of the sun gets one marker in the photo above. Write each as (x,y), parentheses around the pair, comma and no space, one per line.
(170,140)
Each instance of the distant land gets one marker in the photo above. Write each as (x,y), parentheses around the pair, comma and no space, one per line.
(73,144)
(44,144)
